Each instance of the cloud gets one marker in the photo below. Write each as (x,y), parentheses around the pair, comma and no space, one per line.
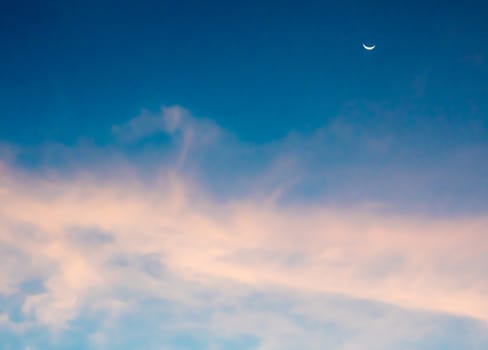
(169,121)
(414,262)
(103,244)
(174,121)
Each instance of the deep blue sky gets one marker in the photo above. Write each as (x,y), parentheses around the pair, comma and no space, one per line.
(258,68)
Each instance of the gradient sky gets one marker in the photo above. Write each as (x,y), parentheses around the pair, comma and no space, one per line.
(223,175)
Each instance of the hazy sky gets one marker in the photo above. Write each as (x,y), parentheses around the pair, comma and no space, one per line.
(224,175)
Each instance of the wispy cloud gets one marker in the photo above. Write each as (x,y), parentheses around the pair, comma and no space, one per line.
(174,121)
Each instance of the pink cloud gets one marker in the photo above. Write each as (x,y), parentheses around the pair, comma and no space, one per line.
(410,261)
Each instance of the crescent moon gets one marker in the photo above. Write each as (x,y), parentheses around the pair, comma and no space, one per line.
(369,48)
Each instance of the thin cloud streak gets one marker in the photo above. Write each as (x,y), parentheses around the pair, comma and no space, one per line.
(174,121)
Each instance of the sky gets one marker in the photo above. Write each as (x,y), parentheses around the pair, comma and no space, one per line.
(243,175)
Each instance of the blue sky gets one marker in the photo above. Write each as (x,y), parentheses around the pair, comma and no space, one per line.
(222,175)
(256,68)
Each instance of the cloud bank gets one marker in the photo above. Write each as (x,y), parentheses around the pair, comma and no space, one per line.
(108,243)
